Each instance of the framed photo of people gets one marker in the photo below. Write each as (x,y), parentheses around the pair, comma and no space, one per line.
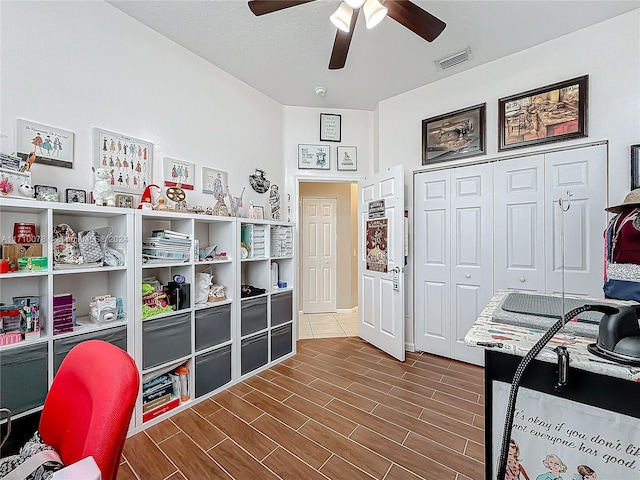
(52,146)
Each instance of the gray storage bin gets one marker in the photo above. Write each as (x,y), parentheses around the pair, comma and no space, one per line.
(23,377)
(213,326)
(165,339)
(254,353)
(116,336)
(281,341)
(213,369)
(281,308)
(253,317)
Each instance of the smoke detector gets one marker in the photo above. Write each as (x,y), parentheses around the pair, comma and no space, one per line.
(321,91)
(454,59)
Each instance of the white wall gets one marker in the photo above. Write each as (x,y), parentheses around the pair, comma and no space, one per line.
(78,65)
(302,125)
(609,52)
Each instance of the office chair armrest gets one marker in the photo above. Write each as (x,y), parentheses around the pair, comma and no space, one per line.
(87,469)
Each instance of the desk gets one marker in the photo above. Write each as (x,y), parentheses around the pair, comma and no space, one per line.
(598,408)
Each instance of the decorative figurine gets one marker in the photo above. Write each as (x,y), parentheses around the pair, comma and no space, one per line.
(274,201)
(220,208)
(258,181)
(103,193)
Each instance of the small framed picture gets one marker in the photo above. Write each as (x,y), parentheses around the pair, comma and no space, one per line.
(73,195)
(124,200)
(258,212)
(313,156)
(46,193)
(330,127)
(635,166)
(347,158)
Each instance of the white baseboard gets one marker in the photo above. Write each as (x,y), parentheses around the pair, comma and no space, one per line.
(340,311)
(409,347)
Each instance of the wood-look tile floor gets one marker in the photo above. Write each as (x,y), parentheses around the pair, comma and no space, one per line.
(339,409)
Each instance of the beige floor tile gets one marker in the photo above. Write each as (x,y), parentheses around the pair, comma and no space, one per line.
(320,318)
(303,320)
(347,317)
(321,329)
(351,330)
(304,331)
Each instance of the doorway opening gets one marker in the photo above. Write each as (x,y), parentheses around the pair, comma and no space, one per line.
(328,265)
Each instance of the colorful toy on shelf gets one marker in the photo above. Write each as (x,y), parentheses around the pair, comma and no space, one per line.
(146,199)
(103,193)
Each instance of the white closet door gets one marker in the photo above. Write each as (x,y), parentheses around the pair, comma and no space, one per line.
(432,253)
(583,172)
(519,224)
(471,255)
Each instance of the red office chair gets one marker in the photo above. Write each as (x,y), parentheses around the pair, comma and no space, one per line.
(89,406)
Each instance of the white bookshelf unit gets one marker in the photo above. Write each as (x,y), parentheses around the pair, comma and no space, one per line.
(218,341)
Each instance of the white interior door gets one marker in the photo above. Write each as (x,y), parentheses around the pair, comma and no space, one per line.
(381,261)
(471,254)
(583,172)
(319,255)
(519,224)
(432,256)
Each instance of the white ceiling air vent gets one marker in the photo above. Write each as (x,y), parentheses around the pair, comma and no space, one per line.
(454,59)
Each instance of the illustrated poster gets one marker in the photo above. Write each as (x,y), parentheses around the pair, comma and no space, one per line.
(52,146)
(129,160)
(179,172)
(571,440)
(377,240)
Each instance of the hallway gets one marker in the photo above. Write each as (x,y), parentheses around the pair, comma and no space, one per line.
(326,325)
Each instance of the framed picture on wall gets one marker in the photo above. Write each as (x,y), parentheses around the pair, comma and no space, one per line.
(330,127)
(130,159)
(454,135)
(178,172)
(549,114)
(52,146)
(635,166)
(347,158)
(313,156)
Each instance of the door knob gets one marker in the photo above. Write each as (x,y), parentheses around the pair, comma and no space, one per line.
(468,275)
(522,279)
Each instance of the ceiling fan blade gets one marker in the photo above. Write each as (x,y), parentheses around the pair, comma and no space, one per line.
(262,7)
(341,44)
(415,19)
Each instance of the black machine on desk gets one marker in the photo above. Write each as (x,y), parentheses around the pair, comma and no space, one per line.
(619,336)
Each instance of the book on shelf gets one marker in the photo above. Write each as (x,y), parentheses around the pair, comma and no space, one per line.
(156,403)
(164,408)
(169,234)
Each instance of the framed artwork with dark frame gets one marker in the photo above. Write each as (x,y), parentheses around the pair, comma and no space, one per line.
(549,114)
(330,127)
(73,195)
(454,135)
(635,166)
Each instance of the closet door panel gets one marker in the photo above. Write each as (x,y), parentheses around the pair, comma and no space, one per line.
(472,262)
(432,264)
(583,173)
(519,224)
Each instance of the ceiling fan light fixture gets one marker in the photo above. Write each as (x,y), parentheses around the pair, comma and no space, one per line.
(354,3)
(341,18)
(374,12)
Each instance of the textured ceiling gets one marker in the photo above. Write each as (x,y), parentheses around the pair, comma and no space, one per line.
(285,54)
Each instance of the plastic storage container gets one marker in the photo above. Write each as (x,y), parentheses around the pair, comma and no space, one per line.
(281,341)
(165,339)
(213,326)
(253,316)
(213,369)
(254,353)
(116,336)
(23,377)
(281,308)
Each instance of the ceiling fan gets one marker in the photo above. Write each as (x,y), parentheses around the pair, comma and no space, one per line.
(405,12)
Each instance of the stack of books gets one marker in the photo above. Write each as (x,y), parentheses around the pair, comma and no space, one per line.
(166,245)
(62,313)
(158,397)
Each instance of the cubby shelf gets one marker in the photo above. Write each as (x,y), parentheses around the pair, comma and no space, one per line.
(206,338)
